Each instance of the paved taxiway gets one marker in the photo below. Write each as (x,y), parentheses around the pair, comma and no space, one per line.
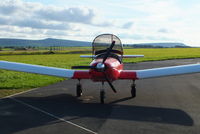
(163,105)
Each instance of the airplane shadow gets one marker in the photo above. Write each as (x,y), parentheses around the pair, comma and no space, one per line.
(67,105)
(71,108)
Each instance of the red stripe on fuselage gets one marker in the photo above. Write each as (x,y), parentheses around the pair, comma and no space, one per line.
(127,74)
(81,74)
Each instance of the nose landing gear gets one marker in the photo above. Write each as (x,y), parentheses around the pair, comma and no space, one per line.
(102,94)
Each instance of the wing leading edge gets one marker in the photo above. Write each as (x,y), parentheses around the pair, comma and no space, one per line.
(37,69)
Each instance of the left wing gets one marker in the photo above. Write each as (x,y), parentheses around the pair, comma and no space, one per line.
(44,70)
(160,72)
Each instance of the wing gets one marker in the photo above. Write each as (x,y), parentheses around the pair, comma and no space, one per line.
(52,71)
(160,72)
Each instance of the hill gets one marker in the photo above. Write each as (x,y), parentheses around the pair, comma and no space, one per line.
(6,42)
(42,43)
(158,45)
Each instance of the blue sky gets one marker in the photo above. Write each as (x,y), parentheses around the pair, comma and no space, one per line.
(134,21)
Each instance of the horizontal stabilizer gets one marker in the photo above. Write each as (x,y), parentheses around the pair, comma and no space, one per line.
(123,56)
(87,56)
(132,56)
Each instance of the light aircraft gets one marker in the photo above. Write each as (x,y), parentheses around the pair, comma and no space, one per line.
(106,66)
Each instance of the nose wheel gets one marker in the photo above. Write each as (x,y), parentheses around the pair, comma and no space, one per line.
(133,90)
(102,94)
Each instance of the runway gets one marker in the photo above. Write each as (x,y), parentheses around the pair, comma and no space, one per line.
(162,105)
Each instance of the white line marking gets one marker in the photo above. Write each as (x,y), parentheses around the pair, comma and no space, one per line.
(40,110)
(9,96)
(54,116)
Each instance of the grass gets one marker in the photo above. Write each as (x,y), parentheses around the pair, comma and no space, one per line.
(163,54)
(68,50)
(12,82)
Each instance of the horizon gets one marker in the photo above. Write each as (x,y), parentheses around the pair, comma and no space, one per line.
(142,43)
(144,21)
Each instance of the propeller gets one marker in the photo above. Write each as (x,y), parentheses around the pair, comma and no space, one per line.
(101,66)
(104,59)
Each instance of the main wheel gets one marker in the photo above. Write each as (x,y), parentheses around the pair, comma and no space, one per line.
(133,91)
(78,90)
(102,96)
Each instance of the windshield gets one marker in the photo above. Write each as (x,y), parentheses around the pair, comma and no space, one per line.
(102,42)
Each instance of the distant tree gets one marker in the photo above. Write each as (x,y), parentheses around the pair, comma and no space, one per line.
(0,48)
(20,48)
(177,46)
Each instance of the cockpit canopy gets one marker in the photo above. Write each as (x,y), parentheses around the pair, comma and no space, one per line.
(103,41)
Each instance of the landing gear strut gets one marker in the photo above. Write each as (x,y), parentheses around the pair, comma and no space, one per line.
(102,94)
(79,89)
(133,89)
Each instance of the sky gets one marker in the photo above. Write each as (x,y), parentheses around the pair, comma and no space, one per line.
(133,21)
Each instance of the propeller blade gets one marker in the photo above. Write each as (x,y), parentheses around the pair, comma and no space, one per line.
(108,51)
(83,67)
(109,82)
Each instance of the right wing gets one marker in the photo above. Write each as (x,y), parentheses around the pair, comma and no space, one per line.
(160,72)
(44,70)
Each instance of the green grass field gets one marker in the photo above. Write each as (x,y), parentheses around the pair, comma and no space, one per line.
(13,82)
(163,54)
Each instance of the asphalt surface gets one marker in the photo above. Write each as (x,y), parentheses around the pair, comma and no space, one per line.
(163,105)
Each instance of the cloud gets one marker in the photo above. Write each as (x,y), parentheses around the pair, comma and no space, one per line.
(75,14)
(34,23)
(163,30)
(8,7)
(39,16)
(18,8)
(3,20)
(128,25)
(154,20)
(39,24)
(159,38)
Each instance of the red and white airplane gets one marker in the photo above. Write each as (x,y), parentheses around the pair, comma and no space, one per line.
(106,66)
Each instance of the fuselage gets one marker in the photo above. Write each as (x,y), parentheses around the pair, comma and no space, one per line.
(112,69)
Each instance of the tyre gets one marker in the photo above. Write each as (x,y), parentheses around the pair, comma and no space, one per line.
(78,90)
(102,97)
(133,91)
